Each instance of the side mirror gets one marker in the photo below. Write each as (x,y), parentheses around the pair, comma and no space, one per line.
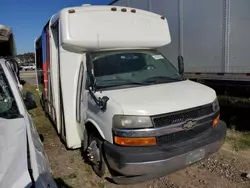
(181,65)
(103,102)
(30,101)
(22,82)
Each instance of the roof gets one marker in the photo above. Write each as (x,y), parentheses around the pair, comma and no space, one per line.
(88,28)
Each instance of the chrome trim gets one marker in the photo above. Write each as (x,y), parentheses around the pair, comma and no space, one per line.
(160,131)
(181,112)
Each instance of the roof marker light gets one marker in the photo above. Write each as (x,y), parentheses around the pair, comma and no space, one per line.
(124,10)
(113,9)
(162,17)
(71,11)
(133,11)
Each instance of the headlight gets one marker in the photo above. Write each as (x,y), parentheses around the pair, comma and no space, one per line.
(216,105)
(123,121)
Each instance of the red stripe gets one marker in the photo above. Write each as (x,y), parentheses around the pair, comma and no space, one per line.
(48,48)
(247,74)
(45,77)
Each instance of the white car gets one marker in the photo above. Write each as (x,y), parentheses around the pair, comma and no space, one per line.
(23,162)
(28,67)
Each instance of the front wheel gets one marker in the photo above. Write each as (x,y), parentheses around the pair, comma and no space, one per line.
(94,153)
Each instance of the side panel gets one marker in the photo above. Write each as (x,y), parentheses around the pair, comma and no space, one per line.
(45,64)
(203,35)
(49,71)
(54,67)
(239,41)
(69,73)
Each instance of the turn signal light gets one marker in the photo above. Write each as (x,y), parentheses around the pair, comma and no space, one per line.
(216,120)
(135,141)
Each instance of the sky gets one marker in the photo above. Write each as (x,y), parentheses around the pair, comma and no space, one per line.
(27,17)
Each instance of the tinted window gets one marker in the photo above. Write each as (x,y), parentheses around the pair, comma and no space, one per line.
(123,67)
(8,106)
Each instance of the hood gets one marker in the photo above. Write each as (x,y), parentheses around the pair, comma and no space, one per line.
(162,98)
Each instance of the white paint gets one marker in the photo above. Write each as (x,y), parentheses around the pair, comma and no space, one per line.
(161,98)
(99,28)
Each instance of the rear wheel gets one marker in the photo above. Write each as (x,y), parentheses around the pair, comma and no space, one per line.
(94,154)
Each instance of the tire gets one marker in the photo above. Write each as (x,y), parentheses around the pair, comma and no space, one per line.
(99,168)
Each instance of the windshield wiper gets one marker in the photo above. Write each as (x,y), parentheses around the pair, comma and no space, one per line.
(119,82)
(159,79)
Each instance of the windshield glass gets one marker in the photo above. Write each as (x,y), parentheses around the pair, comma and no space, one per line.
(132,68)
(8,106)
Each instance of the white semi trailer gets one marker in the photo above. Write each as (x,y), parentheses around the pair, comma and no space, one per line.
(212,36)
(112,94)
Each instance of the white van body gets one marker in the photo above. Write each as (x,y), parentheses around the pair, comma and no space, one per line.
(86,117)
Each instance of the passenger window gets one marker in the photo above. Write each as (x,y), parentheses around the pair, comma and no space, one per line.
(79,93)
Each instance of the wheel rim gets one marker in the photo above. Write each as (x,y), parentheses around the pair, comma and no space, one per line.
(94,153)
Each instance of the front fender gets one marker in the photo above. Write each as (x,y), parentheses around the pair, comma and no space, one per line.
(96,126)
(85,134)
(102,120)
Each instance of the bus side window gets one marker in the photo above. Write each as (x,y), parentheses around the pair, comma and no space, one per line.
(79,97)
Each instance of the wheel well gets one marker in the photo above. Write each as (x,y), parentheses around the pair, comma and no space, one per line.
(90,127)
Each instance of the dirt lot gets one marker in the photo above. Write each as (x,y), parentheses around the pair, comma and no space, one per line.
(225,169)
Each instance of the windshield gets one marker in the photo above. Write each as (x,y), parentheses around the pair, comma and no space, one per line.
(8,106)
(132,68)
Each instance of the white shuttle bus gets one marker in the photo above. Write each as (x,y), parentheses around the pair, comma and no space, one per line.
(112,94)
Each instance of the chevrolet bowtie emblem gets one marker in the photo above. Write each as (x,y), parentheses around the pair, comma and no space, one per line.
(189,125)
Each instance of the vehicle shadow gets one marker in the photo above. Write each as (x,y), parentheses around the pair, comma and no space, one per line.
(61,184)
(236,117)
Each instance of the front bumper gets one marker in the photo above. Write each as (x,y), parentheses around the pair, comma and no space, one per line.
(138,164)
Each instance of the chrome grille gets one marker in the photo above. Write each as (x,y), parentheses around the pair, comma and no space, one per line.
(183,136)
(182,116)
